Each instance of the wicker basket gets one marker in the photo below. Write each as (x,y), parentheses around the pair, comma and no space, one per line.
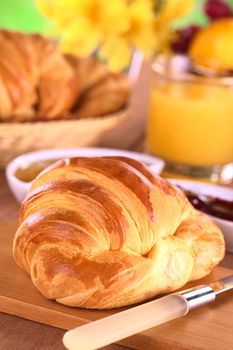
(19,138)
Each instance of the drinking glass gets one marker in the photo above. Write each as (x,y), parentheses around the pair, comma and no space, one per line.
(190,123)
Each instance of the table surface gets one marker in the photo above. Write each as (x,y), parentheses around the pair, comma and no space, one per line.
(17,333)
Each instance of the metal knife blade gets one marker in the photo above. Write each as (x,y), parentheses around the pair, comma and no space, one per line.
(222,285)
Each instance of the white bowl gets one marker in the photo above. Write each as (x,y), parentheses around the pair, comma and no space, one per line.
(20,188)
(216,191)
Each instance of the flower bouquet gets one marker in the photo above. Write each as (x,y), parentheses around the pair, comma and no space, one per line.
(113,30)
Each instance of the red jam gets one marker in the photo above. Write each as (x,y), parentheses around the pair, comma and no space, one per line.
(211,205)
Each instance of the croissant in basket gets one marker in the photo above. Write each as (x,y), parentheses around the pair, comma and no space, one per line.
(37,82)
(106,232)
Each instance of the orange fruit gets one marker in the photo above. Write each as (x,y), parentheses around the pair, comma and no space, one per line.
(212,47)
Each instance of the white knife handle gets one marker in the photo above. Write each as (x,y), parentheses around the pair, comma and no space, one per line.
(121,325)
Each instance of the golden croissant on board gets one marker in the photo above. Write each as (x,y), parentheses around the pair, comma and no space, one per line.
(106,232)
(38,82)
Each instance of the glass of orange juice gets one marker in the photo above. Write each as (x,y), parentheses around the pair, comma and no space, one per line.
(190,122)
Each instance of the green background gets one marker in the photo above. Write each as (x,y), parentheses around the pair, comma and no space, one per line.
(23,15)
(197,16)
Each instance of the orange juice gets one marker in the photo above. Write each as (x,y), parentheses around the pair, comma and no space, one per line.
(191,123)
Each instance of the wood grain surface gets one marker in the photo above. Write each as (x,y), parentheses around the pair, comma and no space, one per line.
(19,297)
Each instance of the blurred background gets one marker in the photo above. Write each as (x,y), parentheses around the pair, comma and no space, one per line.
(24,15)
(188,104)
(21,15)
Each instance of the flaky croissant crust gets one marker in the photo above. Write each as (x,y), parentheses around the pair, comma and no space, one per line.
(38,82)
(35,79)
(106,232)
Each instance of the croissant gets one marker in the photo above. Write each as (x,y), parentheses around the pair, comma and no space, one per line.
(88,71)
(35,79)
(38,82)
(106,232)
(101,91)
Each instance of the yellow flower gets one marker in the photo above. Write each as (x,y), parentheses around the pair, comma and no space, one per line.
(167,12)
(117,50)
(113,28)
(170,10)
(141,32)
(82,24)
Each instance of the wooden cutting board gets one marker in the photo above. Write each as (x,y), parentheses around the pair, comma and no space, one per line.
(209,327)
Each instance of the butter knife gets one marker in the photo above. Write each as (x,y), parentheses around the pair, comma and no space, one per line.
(102,332)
